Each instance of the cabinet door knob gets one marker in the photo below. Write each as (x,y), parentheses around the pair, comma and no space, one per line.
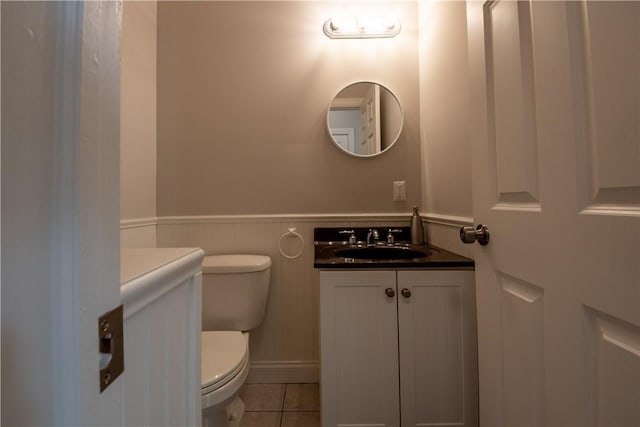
(406,293)
(390,292)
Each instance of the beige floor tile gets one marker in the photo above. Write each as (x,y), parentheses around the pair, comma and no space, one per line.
(263,397)
(261,419)
(302,397)
(301,419)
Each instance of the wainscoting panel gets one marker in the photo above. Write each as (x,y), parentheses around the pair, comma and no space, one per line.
(161,297)
(285,348)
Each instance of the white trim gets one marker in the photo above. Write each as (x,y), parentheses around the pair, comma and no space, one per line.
(278,372)
(142,290)
(518,207)
(449,220)
(66,339)
(330,217)
(85,211)
(611,210)
(138,222)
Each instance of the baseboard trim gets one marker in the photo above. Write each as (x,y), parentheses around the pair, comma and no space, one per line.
(281,372)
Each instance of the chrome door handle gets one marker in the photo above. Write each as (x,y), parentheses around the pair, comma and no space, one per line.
(480,234)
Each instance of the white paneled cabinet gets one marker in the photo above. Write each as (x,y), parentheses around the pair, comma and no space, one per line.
(398,348)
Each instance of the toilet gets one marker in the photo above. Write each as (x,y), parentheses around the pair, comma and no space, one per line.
(234,301)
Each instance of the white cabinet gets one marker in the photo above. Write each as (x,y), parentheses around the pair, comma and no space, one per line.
(398,348)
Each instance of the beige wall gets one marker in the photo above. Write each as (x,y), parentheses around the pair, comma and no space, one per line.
(138,110)
(445,108)
(243,90)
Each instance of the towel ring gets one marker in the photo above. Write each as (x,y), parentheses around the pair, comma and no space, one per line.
(289,234)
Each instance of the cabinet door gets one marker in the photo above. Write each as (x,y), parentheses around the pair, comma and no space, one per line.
(359,349)
(438,348)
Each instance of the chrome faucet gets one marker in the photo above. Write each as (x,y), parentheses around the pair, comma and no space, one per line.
(391,239)
(352,236)
(372,235)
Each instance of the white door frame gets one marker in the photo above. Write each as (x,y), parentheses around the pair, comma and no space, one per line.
(87,206)
(85,246)
(76,93)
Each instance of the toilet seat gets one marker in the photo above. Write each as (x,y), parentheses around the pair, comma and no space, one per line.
(225,364)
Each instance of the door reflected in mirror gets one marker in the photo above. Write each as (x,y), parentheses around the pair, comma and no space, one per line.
(365,119)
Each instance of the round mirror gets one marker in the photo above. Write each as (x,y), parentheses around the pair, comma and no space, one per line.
(365,119)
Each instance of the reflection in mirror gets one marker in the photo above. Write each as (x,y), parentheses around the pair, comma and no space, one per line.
(365,119)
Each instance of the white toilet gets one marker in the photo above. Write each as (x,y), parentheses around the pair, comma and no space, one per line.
(234,300)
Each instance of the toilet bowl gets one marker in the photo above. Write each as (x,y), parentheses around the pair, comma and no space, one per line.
(234,297)
(225,366)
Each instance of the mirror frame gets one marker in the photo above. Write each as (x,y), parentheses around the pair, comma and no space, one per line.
(395,139)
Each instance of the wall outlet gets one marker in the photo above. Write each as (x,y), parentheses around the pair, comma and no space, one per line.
(399,191)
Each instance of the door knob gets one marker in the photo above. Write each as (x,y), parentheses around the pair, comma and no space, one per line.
(406,293)
(479,234)
(390,292)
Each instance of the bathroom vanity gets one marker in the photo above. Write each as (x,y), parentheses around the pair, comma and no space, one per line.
(398,335)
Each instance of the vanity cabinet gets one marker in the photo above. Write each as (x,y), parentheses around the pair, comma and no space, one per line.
(398,348)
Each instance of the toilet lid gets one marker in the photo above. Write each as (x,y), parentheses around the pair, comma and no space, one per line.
(235,263)
(224,353)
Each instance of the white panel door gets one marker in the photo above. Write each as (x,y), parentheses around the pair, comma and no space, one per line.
(345,137)
(359,352)
(556,178)
(438,348)
(370,121)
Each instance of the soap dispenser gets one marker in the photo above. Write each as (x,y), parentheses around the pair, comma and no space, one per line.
(417,231)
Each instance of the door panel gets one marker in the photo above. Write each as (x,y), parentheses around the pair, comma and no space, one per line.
(614,351)
(523,349)
(558,287)
(511,111)
(606,122)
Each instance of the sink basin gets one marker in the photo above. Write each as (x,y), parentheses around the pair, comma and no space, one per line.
(380,252)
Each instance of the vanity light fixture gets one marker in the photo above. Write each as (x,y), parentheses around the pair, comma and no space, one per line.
(361,28)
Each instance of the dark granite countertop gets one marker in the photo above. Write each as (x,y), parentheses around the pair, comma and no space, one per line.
(327,240)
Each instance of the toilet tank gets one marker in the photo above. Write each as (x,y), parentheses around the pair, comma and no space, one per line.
(234,291)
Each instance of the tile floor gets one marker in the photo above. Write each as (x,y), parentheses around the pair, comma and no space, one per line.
(281,405)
